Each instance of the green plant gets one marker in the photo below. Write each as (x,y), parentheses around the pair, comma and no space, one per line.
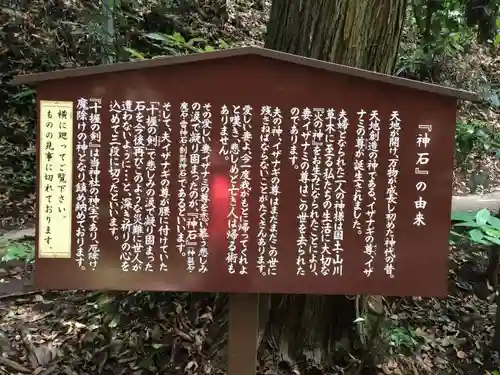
(441,32)
(497,37)
(475,139)
(175,44)
(477,227)
(13,250)
(402,337)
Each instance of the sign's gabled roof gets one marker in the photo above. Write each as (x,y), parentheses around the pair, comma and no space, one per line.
(245,51)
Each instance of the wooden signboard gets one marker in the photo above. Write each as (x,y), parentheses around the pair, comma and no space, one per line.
(243,171)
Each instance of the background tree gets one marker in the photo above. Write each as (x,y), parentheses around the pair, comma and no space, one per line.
(363,34)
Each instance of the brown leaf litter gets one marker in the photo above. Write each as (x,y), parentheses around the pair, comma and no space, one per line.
(79,332)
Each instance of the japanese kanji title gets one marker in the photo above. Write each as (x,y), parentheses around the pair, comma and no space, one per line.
(423,158)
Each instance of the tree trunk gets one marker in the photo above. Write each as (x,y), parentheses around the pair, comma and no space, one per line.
(363,34)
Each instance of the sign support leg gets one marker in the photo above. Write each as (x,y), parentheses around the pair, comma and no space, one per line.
(243,332)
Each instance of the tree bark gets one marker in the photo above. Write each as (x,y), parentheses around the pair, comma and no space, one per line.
(363,34)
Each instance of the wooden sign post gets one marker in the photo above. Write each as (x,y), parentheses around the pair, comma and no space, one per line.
(243,328)
(243,171)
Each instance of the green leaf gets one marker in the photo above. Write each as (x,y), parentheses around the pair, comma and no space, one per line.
(463,216)
(134,53)
(18,251)
(24,93)
(476,235)
(494,222)
(469,224)
(491,232)
(223,44)
(494,240)
(158,36)
(482,216)
(481,133)
(179,38)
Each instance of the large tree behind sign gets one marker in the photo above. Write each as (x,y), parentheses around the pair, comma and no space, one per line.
(363,34)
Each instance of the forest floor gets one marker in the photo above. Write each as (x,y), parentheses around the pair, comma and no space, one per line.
(84,332)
